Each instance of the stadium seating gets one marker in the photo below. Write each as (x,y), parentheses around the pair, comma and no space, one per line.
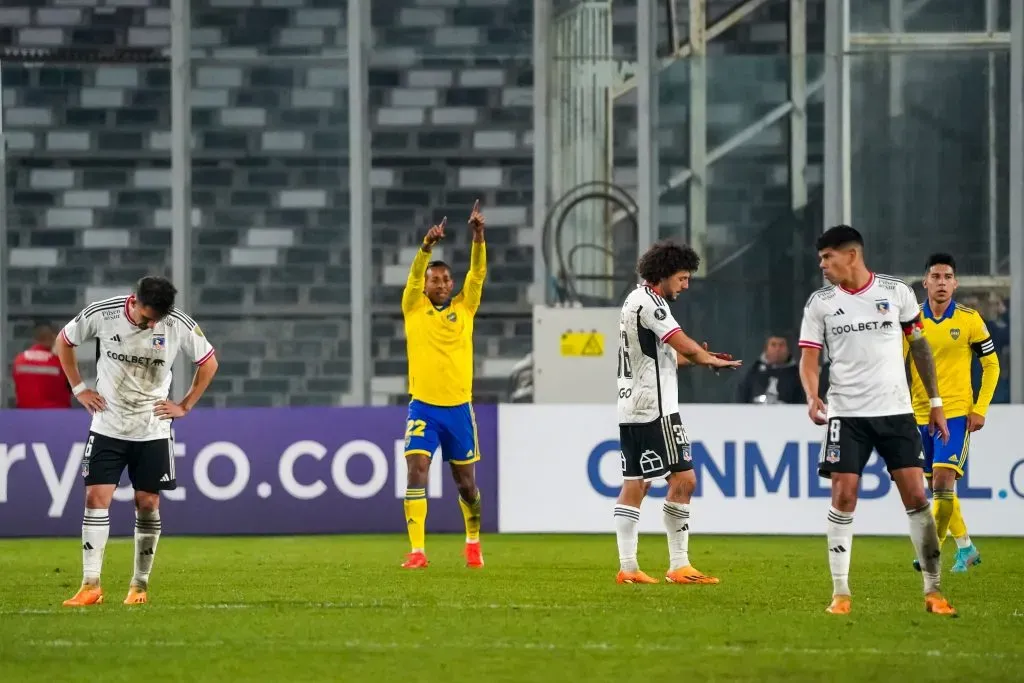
(450,96)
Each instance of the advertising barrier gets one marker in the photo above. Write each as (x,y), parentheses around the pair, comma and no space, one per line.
(243,471)
(756,466)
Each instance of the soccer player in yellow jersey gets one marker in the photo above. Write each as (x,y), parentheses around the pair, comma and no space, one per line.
(954,333)
(439,337)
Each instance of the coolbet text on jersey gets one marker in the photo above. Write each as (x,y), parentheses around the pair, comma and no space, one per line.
(863,332)
(954,337)
(440,339)
(133,368)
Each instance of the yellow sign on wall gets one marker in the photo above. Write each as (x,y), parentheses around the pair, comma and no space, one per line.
(582,343)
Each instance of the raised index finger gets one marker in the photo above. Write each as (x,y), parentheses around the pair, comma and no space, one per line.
(476,207)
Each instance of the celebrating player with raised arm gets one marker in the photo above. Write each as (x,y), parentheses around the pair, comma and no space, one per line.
(954,332)
(137,338)
(439,336)
(859,318)
(653,441)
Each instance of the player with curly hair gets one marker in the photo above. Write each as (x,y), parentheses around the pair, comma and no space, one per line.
(654,444)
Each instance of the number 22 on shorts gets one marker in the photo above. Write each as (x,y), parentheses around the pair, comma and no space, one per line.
(414,428)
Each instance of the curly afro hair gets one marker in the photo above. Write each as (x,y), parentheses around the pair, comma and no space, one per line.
(666,258)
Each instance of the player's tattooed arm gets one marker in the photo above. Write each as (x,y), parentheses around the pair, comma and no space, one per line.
(921,352)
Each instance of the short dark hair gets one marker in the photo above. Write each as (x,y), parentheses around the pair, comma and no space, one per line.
(666,258)
(439,264)
(157,293)
(941,259)
(838,236)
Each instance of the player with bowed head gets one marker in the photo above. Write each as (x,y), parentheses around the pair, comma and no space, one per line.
(654,444)
(956,333)
(137,338)
(439,336)
(859,317)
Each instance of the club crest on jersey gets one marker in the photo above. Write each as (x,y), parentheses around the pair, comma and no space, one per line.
(832,455)
(684,452)
(452,317)
(159,341)
(882,306)
(955,333)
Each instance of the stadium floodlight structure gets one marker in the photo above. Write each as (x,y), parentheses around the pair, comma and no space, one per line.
(356,57)
(841,43)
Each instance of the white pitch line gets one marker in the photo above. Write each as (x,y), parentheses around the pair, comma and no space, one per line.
(505,645)
(372,604)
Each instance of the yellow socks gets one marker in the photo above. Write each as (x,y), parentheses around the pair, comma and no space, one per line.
(957,527)
(942,509)
(471,513)
(416,517)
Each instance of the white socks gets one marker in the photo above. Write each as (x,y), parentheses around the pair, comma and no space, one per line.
(840,545)
(627,519)
(963,542)
(677,526)
(95,532)
(147,535)
(926,543)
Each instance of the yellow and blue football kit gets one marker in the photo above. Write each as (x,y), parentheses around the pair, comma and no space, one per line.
(439,343)
(955,337)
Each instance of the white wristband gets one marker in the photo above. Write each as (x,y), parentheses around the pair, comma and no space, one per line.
(935,402)
(79,388)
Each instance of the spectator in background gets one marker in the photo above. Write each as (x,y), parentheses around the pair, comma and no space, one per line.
(39,381)
(774,378)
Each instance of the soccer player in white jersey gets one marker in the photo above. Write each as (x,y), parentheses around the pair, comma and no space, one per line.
(859,319)
(654,444)
(137,338)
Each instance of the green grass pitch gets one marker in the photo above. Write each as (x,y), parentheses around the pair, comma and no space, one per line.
(545,608)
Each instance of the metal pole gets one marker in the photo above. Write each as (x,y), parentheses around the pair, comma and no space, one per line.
(837,114)
(647,124)
(917,41)
(1016,190)
(896,61)
(798,99)
(541,144)
(359,186)
(4,281)
(991,22)
(181,174)
(698,204)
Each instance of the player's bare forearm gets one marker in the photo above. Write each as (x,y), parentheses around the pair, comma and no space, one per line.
(689,350)
(200,383)
(68,361)
(924,361)
(810,371)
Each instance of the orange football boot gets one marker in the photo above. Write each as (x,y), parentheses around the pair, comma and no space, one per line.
(416,560)
(688,574)
(936,604)
(840,605)
(474,556)
(634,577)
(88,594)
(136,596)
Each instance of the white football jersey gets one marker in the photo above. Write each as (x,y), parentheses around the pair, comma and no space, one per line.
(648,383)
(863,334)
(133,366)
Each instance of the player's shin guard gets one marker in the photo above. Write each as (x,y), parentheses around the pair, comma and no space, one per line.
(95,532)
(677,525)
(840,546)
(416,517)
(942,510)
(926,543)
(627,519)
(471,515)
(147,535)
